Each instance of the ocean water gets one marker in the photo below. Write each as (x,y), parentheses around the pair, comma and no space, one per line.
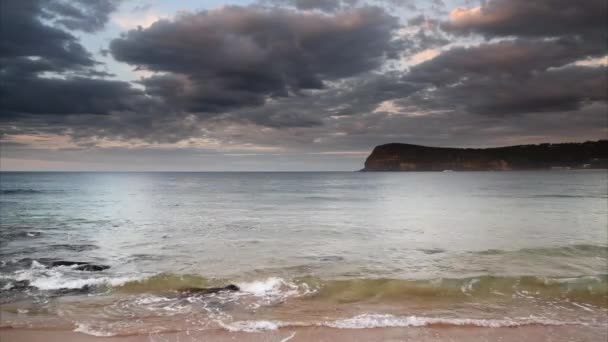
(341,250)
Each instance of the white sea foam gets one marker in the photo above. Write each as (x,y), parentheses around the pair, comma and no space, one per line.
(274,288)
(383,320)
(60,278)
(251,326)
(147,300)
(86,329)
(368,321)
(37,265)
(263,288)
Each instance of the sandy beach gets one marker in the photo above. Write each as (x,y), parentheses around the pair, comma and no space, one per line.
(471,334)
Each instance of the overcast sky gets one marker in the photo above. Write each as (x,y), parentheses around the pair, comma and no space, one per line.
(283,85)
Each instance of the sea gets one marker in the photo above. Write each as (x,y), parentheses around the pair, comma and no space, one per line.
(341,250)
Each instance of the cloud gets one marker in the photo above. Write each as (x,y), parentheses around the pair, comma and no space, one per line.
(59,96)
(517,58)
(534,63)
(237,56)
(84,15)
(511,77)
(302,78)
(140,16)
(330,6)
(36,35)
(551,91)
(25,35)
(325,5)
(35,44)
(538,18)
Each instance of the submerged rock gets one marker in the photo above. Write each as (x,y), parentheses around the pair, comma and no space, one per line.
(206,291)
(92,268)
(80,265)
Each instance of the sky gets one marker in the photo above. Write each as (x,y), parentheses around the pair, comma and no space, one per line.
(291,85)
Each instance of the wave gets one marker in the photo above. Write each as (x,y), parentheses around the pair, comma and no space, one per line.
(19,191)
(369,321)
(164,282)
(592,289)
(568,196)
(92,331)
(582,289)
(533,196)
(10,235)
(73,247)
(26,191)
(585,289)
(363,321)
(39,277)
(576,250)
(268,289)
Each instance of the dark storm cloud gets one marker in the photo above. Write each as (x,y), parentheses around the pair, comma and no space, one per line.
(531,72)
(23,34)
(545,92)
(337,5)
(238,56)
(77,95)
(30,46)
(556,90)
(349,98)
(325,5)
(517,58)
(85,15)
(538,18)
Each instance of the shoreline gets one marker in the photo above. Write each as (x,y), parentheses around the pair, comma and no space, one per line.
(422,334)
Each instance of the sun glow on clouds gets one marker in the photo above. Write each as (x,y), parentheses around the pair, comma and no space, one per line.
(388,107)
(423,56)
(594,62)
(47,141)
(62,142)
(466,15)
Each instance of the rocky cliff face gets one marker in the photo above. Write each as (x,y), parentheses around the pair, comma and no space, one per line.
(406,157)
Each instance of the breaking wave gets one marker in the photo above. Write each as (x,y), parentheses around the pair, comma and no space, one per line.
(592,289)
(39,277)
(584,289)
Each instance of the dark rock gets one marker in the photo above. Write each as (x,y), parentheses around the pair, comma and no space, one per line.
(69,291)
(66,263)
(206,291)
(80,265)
(92,268)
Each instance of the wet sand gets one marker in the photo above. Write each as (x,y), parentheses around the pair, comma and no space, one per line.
(472,334)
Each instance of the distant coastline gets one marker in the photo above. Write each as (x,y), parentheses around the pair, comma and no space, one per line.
(408,157)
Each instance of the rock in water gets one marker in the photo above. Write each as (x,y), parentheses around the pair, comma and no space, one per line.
(80,265)
(92,268)
(193,291)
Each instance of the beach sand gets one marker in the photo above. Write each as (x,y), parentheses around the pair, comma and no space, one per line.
(472,334)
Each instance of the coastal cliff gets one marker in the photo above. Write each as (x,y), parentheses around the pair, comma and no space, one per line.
(407,157)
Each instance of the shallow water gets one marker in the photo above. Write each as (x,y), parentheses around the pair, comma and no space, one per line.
(341,250)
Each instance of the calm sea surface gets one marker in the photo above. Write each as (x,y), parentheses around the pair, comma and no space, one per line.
(343,250)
